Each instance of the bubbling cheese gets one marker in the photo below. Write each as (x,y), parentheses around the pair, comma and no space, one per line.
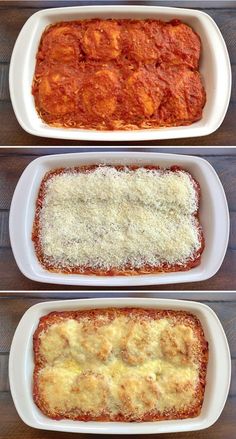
(110,217)
(76,377)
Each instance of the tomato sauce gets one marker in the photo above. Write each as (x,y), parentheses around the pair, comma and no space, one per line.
(118,74)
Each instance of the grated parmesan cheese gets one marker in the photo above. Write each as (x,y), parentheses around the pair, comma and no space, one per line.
(108,218)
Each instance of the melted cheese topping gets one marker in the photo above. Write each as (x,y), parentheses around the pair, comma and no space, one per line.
(118,366)
(109,218)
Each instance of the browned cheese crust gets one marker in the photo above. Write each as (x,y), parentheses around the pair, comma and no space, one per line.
(110,380)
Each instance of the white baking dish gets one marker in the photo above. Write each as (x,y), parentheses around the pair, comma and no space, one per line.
(214,67)
(214,217)
(218,372)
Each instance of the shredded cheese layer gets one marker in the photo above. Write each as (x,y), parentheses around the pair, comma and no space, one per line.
(108,218)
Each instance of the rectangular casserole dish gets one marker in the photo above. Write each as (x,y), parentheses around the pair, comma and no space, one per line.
(214,217)
(218,372)
(214,67)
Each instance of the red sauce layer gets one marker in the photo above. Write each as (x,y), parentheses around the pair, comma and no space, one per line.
(118,74)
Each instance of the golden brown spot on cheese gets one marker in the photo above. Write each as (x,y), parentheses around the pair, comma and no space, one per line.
(177,344)
(119,365)
(92,391)
(137,346)
(55,388)
(96,345)
(138,394)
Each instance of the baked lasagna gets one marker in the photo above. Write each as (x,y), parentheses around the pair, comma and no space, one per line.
(118,74)
(118,220)
(127,364)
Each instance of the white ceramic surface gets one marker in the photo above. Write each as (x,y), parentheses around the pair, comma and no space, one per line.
(214,67)
(214,217)
(218,372)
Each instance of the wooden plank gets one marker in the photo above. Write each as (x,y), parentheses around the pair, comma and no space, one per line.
(10,171)
(5,94)
(4,229)
(227,28)
(12,279)
(199,296)
(12,134)
(5,239)
(232,390)
(5,386)
(4,379)
(12,166)
(233,94)
(225,135)
(4,86)
(227,316)
(8,151)
(12,426)
(61,3)
(14,18)
(11,311)
(232,236)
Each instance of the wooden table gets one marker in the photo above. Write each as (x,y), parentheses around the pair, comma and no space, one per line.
(12,163)
(15,13)
(14,160)
(12,309)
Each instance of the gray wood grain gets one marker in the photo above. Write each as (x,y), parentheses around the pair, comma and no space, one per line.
(5,239)
(12,426)
(4,232)
(12,166)
(12,279)
(13,135)
(5,386)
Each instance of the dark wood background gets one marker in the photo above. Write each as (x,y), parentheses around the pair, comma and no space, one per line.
(12,163)
(12,427)
(15,13)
